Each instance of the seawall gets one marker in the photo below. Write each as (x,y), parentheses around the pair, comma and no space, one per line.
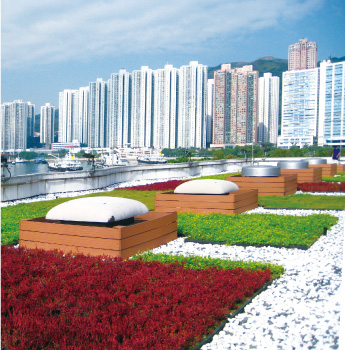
(26,186)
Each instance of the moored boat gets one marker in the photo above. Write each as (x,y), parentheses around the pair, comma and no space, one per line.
(68,163)
(40,161)
(152,158)
(112,159)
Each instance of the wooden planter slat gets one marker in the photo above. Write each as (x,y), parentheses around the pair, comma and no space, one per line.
(208,205)
(327,169)
(232,203)
(146,233)
(219,198)
(305,175)
(283,185)
(340,168)
(95,242)
(97,252)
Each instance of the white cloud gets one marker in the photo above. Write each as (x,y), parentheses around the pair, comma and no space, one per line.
(46,31)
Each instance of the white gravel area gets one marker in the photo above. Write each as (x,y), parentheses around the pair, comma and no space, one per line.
(300,310)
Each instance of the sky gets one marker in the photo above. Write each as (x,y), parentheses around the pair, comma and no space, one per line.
(48,46)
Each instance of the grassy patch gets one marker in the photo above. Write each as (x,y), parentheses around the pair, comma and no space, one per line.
(200,263)
(255,229)
(303,201)
(339,178)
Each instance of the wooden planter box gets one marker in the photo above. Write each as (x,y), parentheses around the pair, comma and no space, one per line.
(283,185)
(327,169)
(340,168)
(233,203)
(305,175)
(147,232)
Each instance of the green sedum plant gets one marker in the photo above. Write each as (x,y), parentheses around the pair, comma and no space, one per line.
(200,263)
(255,229)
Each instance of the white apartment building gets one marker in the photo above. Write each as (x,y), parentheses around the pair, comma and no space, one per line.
(68,114)
(83,110)
(47,124)
(14,123)
(209,111)
(97,124)
(119,109)
(142,107)
(300,93)
(268,109)
(192,92)
(332,104)
(165,107)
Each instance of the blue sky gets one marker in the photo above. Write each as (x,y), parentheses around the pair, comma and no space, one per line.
(48,46)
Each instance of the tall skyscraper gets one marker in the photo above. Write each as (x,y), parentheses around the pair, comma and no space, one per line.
(209,112)
(14,122)
(68,115)
(222,105)
(268,108)
(300,95)
(142,108)
(97,124)
(302,55)
(192,92)
(47,124)
(83,112)
(235,105)
(165,107)
(31,120)
(119,109)
(332,104)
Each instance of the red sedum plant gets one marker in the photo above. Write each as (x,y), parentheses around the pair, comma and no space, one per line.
(158,186)
(321,187)
(51,301)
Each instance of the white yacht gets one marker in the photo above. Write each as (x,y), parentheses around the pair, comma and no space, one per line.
(68,163)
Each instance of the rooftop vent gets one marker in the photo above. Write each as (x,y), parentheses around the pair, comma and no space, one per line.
(206,186)
(97,209)
(316,161)
(293,164)
(261,170)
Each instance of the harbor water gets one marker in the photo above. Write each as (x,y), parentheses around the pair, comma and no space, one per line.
(31,167)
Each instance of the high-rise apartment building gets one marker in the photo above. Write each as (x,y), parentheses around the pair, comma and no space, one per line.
(165,107)
(268,109)
(31,120)
(98,107)
(302,55)
(47,124)
(119,109)
(332,104)
(14,123)
(192,99)
(300,93)
(235,105)
(81,133)
(142,107)
(68,115)
(209,111)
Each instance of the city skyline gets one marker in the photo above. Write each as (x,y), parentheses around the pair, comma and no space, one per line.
(46,49)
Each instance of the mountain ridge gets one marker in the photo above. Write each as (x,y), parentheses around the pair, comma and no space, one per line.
(266,64)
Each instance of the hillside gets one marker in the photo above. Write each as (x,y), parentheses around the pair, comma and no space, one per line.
(276,66)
